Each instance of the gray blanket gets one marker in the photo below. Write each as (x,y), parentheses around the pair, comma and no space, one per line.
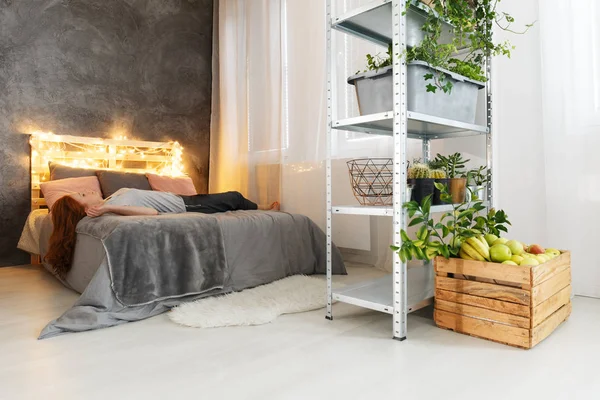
(143,254)
(260,247)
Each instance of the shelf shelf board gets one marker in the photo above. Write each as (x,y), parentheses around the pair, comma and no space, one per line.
(371,22)
(377,294)
(383,211)
(420,126)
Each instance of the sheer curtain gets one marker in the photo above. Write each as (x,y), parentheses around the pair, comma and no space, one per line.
(248,92)
(571,123)
(268,137)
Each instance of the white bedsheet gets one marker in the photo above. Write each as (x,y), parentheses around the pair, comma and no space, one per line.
(30,237)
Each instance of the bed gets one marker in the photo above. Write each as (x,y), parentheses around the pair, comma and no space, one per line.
(122,278)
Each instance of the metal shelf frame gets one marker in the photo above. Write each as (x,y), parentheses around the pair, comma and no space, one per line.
(407,288)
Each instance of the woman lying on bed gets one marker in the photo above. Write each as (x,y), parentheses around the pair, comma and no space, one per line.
(69,210)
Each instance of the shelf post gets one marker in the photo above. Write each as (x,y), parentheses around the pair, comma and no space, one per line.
(489,138)
(330,60)
(426,150)
(400,135)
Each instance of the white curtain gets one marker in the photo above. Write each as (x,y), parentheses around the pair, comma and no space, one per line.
(248,108)
(570,38)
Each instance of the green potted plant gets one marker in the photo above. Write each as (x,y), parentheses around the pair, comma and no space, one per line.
(456,232)
(477,180)
(419,177)
(433,69)
(454,166)
(439,175)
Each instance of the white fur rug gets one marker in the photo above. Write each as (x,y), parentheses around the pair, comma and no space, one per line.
(256,306)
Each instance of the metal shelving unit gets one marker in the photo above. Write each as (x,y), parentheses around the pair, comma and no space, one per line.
(409,286)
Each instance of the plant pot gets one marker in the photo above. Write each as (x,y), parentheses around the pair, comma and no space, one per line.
(475,192)
(436,193)
(458,188)
(374,92)
(421,189)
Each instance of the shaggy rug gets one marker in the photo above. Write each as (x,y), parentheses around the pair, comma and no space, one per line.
(256,306)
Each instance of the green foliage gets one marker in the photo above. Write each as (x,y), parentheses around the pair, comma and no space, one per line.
(478,177)
(443,238)
(473,22)
(493,222)
(453,165)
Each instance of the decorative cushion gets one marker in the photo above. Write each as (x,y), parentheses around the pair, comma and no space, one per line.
(58,171)
(54,190)
(111,181)
(180,185)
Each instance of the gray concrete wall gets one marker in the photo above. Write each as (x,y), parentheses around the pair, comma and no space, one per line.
(141,68)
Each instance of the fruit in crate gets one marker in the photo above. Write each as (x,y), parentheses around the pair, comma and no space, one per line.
(517,259)
(500,253)
(474,248)
(500,241)
(490,238)
(536,249)
(552,252)
(509,262)
(542,258)
(530,261)
(516,247)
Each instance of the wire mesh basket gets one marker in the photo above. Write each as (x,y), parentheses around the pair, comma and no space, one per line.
(372,180)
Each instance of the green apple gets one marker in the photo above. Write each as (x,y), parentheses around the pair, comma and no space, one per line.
(500,241)
(509,262)
(542,258)
(490,238)
(529,261)
(517,259)
(515,247)
(500,253)
(552,252)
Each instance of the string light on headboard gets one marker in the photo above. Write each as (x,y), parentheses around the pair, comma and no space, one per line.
(163,158)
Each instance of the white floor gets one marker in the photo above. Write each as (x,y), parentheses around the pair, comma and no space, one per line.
(299,356)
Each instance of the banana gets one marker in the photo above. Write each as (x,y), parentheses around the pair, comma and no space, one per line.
(464,255)
(485,243)
(471,251)
(479,247)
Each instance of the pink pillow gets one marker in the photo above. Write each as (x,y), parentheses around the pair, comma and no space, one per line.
(54,190)
(180,185)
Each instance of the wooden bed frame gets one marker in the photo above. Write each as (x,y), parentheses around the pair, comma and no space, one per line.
(119,154)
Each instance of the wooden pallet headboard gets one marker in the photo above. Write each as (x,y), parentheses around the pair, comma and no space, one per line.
(122,154)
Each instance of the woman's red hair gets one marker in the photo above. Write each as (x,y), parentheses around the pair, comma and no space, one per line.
(66,214)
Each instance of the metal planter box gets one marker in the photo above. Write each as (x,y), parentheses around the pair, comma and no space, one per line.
(374,92)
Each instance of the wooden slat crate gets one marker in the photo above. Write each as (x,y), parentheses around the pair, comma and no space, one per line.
(516,305)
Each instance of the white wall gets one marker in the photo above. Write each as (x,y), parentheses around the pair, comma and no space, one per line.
(517,123)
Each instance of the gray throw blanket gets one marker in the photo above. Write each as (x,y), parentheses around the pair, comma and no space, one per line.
(151,259)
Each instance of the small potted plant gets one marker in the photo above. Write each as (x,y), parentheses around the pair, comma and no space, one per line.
(419,177)
(477,180)
(439,175)
(454,166)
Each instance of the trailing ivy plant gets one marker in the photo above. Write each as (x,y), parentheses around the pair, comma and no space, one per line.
(444,237)
(472,22)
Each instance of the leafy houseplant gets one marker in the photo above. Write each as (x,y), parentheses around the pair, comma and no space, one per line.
(473,21)
(477,179)
(445,237)
(454,166)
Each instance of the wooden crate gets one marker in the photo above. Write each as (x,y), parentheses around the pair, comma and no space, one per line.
(516,305)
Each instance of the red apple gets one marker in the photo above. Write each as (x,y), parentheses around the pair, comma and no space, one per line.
(536,249)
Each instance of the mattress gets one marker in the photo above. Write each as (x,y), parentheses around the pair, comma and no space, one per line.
(30,237)
(260,247)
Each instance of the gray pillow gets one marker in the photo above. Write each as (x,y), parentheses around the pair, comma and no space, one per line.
(58,171)
(111,181)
